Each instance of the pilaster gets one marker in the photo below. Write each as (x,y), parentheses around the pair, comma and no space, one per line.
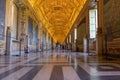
(100,37)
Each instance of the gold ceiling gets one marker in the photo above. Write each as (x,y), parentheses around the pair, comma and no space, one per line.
(58,16)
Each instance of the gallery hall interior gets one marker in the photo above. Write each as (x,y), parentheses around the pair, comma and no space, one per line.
(59,39)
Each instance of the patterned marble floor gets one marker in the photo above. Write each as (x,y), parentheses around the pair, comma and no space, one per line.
(58,65)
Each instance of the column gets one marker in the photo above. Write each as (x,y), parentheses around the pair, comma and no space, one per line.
(8,26)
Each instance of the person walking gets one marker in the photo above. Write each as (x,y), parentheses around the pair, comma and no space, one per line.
(25,51)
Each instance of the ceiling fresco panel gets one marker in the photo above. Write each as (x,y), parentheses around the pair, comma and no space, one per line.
(58,16)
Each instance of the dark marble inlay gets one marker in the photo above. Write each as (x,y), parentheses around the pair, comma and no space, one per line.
(12,62)
(2,67)
(57,73)
(5,74)
(31,74)
(105,67)
(112,68)
(83,75)
(106,78)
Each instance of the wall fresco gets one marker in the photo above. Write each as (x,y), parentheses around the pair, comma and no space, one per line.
(2,50)
(2,18)
(81,33)
(33,32)
(30,30)
(112,17)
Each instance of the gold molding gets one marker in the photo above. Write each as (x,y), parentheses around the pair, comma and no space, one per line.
(58,16)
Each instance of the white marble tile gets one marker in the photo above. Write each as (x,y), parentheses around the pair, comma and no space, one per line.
(11,66)
(49,61)
(94,72)
(44,73)
(18,74)
(70,74)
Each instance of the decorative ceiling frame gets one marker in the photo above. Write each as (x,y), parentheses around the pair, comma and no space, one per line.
(58,16)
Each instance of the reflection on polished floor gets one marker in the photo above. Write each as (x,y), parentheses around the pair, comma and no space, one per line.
(58,65)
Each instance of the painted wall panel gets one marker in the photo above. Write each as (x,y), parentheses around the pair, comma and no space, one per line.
(33,35)
(81,32)
(112,17)
(2,18)
(30,29)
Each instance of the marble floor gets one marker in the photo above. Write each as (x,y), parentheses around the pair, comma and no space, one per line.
(58,65)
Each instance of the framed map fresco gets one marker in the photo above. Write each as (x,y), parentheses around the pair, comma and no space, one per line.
(1,30)
(33,32)
(30,30)
(112,17)
(2,18)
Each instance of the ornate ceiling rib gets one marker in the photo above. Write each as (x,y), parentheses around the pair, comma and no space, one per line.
(58,16)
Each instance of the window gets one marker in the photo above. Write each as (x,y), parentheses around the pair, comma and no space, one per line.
(75,33)
(93,22)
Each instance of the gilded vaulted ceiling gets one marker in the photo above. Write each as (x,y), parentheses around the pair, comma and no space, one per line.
(58,16)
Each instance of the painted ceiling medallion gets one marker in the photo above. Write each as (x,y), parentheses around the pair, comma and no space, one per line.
(58,16)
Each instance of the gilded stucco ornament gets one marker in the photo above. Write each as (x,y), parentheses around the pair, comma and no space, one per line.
(58,16)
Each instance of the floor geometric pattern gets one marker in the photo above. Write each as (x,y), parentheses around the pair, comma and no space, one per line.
(58,65)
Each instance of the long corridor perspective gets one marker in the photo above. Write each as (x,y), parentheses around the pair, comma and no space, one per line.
(58,65)
(59,39)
